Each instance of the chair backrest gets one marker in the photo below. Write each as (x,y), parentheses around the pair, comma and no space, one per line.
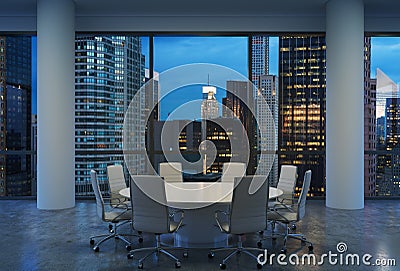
(149,215)
(301,203)
(97,193)
(231,170)
(287,179)
(116,181)
(171,171)
(249,210)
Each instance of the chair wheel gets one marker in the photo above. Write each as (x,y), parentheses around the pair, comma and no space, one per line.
(177,264)
(110,227)
(128,247)
(222,266)
(91,241)
(261,232)
(283,251)
(129,256)
(185,254)
(140,266)
(274,238)
(140,240)
(259,266)
(310,248)
(96,249)
(293,227)
(259,244)
(211,255)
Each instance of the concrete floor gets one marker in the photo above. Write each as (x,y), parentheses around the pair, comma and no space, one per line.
(35,239)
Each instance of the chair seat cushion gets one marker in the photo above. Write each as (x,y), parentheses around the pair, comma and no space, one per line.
(123,205)
(115,216)
(282,215)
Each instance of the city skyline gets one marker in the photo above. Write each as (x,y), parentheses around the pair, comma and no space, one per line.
(384,52)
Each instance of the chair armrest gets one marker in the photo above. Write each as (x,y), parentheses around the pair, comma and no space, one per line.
(182,215)
(217,219)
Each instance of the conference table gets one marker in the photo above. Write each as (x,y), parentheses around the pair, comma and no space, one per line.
(200,200)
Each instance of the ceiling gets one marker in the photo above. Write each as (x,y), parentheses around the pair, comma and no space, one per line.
(94,15)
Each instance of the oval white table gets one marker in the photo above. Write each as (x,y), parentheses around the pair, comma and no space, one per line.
(200,200)
(273,193)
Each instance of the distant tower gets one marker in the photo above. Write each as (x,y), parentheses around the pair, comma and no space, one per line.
(259,58)
(240,101)
(388,112)
(15,116)
(392,163)
(209,105)
(369,123)
(209,110)
(267,104)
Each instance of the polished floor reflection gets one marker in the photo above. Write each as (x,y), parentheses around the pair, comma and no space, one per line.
(35,239)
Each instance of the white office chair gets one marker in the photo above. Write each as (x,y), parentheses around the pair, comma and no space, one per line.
(293,213)
(171,171)
(248,214)
(230,170)
(287,183)
(112,215)
(116,181)
(152,216)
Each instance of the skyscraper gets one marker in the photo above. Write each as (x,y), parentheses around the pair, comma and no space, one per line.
(209,105)
(302,69)
(369,123)
(267,106)
(240,101)
(267,87)
(302,87)
(391,180)
(15,115)
(259,58)
(109,71)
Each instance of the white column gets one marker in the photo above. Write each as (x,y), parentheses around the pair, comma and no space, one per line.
(344,104)
(55,50)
